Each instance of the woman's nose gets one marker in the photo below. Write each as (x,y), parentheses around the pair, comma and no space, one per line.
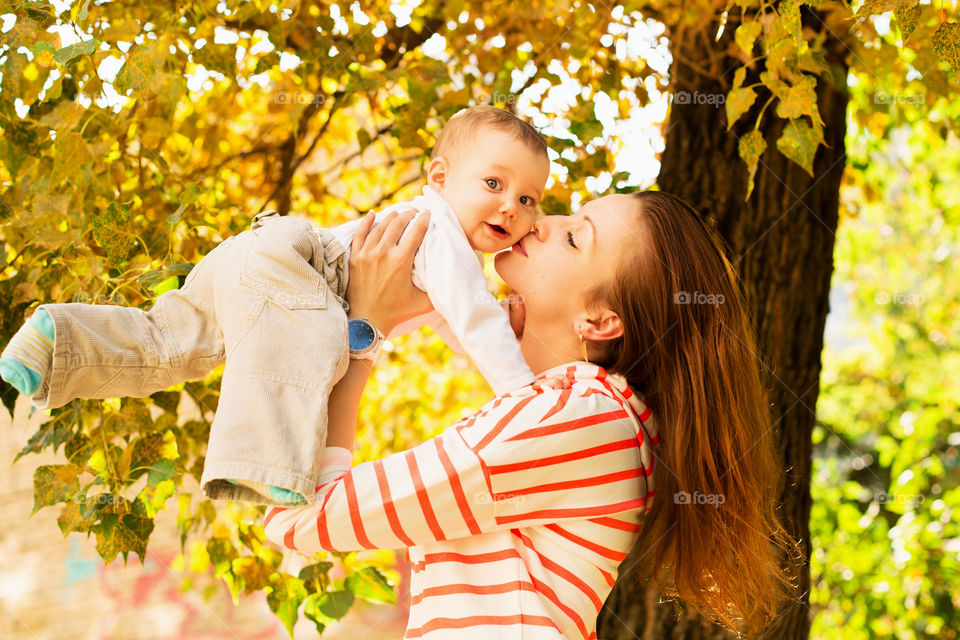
(540,227)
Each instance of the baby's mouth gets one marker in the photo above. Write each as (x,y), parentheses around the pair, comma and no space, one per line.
(497,230)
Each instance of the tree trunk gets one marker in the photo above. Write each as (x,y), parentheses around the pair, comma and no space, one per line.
(781,242)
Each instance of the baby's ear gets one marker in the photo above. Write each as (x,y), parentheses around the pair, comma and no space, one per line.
(437,172)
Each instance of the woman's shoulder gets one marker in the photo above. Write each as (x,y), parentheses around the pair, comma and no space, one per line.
(589,407)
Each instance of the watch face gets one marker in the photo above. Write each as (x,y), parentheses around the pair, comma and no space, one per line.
(361,335)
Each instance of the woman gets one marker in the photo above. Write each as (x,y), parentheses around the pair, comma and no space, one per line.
(518,516)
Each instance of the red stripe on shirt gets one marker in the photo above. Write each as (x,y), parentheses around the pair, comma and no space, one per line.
(569,425)
(617,524)
(629,443)
(485,589)
(358,531)
(271,512)
(561,403)
(544,589)
(503,422)
(472,558)
(560,571)
(423,498)
(572,484)
(388,505)
(475,621)
(458,494)
(547,514)
(586,544)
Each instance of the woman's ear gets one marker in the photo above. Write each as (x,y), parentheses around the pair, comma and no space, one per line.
(599,326)
(437,173)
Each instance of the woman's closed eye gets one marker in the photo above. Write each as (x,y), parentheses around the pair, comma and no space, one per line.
(570,239)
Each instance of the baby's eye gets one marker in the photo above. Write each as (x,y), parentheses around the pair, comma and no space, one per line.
(526,201)
(493,183)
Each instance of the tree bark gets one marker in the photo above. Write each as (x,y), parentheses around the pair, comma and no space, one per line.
(781,242)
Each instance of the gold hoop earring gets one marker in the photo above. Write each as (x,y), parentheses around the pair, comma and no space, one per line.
(583,348)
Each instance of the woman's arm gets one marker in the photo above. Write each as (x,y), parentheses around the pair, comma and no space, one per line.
(380,290)
(542,457)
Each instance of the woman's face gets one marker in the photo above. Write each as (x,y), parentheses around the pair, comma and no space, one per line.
(553,267)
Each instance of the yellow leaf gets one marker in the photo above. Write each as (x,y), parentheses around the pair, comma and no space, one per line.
(946,42)
(750,148)
(800,100)
(738,103)
(799,142)
(746,36)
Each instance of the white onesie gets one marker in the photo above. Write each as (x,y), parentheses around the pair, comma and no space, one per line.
(466,315)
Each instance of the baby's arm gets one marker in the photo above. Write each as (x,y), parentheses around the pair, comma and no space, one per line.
(454,280)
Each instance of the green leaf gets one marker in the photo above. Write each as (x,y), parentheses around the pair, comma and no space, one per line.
(122,534)
(221,553)
(53,484)
(799,143)
(68,53)
(155,278)
(314,576)
(75,515)
(154,497)
(746,36)
(284,595)
(946,42)
(325,608)
(311,612)
(160,471)
(371,585)
(171,283)
(751,147)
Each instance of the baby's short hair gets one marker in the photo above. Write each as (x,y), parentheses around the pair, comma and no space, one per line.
(466,122)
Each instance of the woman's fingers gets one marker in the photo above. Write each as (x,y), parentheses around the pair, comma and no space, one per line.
(363,229)
(393,228)
(411,242)
(373,237)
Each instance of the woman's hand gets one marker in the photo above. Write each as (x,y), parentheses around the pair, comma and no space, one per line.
(380,286)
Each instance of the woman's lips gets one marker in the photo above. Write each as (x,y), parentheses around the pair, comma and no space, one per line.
(519,248)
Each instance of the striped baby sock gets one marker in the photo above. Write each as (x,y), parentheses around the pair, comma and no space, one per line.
(284,496)
(27,358)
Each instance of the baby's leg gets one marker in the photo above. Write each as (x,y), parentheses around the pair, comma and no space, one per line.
(286,347)
(108,351)
(26,359)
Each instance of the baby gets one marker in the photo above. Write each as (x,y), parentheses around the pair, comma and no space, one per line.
(269,303)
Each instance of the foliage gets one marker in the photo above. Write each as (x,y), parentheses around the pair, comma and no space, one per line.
(137,136)
(886,483)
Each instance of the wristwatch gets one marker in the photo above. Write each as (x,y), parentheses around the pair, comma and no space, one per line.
(365,339)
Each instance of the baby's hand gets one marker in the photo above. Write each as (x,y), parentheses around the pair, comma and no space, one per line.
(555,381)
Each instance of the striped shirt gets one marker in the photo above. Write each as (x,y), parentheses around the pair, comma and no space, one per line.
(516,517)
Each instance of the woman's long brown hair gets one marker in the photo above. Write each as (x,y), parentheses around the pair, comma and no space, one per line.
(713,537)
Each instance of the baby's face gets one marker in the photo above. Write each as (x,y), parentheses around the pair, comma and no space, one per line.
(494,184)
